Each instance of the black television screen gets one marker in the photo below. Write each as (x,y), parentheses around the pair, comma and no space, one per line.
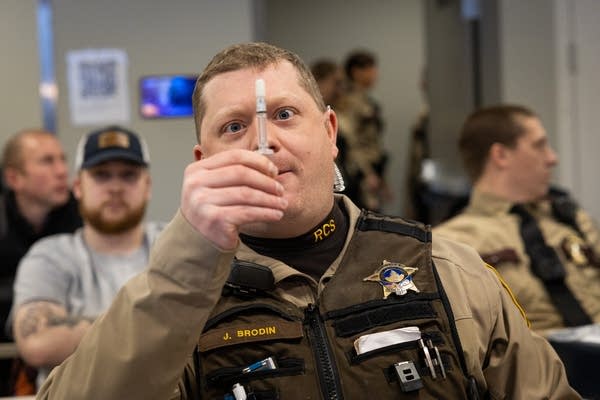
(166,96)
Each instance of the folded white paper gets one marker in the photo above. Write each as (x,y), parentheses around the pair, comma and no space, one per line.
(378,340)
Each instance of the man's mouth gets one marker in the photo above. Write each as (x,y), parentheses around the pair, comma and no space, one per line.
(115,204)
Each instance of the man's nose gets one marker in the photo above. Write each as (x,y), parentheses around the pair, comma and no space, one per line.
(263,136)
(552,157)
(61,168)
(115,182)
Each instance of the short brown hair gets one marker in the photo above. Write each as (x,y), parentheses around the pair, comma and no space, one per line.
(322,69)
(486,126)
(359,59)
(251,55)
(12,154)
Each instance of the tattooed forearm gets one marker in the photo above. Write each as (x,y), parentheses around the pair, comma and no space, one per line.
(66,321)
(38,316)
(29,324)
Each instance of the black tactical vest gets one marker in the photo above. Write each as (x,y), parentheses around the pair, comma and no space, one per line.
(313,349)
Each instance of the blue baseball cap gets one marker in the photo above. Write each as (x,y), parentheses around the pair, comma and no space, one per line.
(108,144)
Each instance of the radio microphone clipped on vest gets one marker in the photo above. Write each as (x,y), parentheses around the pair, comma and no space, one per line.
(249,279)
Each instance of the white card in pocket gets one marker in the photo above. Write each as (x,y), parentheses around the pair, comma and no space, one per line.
(378,340)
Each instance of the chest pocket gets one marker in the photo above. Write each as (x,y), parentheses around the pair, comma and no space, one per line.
(237,339)
(381,245)
(433,356)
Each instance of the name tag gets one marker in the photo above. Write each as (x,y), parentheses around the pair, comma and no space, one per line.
(248,333)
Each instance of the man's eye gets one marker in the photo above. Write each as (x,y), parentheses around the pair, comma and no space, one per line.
(47,160)
(285,113)
(130,176)
(101,176)
(233,127)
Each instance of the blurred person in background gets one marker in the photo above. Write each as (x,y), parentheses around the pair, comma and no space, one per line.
(330,78)
(544,245)
(36,201)
(361,125)
(416,205)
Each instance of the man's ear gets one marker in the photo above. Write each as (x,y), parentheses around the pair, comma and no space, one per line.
(77,187)
(331,125)
(11,177)
(197,152)
(499,155)
(149,182)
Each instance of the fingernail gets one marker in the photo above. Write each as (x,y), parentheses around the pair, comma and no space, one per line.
(279,188)
(273,169)
(283,201)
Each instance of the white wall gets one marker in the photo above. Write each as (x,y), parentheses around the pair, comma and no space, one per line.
(176,36)
(19,68)
(577,65)
(392,29)
(450,87)
(527,36)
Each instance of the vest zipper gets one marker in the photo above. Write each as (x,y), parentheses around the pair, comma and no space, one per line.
(326,368)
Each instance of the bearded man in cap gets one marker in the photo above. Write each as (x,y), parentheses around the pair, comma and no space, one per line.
(65,281)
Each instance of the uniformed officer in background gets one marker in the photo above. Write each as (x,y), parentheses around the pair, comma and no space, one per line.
(543,245)
(267,285)
(362,127)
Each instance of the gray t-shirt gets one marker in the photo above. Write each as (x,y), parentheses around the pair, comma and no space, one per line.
(64,270)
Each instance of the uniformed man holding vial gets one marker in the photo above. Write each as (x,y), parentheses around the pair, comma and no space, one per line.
(375,309)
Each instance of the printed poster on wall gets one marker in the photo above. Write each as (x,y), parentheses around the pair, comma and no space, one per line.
(97,85)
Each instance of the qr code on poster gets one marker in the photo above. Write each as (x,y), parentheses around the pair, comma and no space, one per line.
(98,79)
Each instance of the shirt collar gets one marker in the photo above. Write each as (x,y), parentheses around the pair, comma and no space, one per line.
(282,271)
(488,203)
(491,204)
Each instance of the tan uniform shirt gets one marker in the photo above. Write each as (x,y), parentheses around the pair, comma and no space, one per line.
(487,225)
(357,119)
(360,126)
(140,348)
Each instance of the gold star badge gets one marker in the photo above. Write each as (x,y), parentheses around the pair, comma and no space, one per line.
(395,278)
(574,248)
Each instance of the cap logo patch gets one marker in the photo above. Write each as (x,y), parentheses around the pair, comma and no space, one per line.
(113,139)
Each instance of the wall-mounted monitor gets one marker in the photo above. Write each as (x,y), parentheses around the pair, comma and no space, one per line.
(166,96)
